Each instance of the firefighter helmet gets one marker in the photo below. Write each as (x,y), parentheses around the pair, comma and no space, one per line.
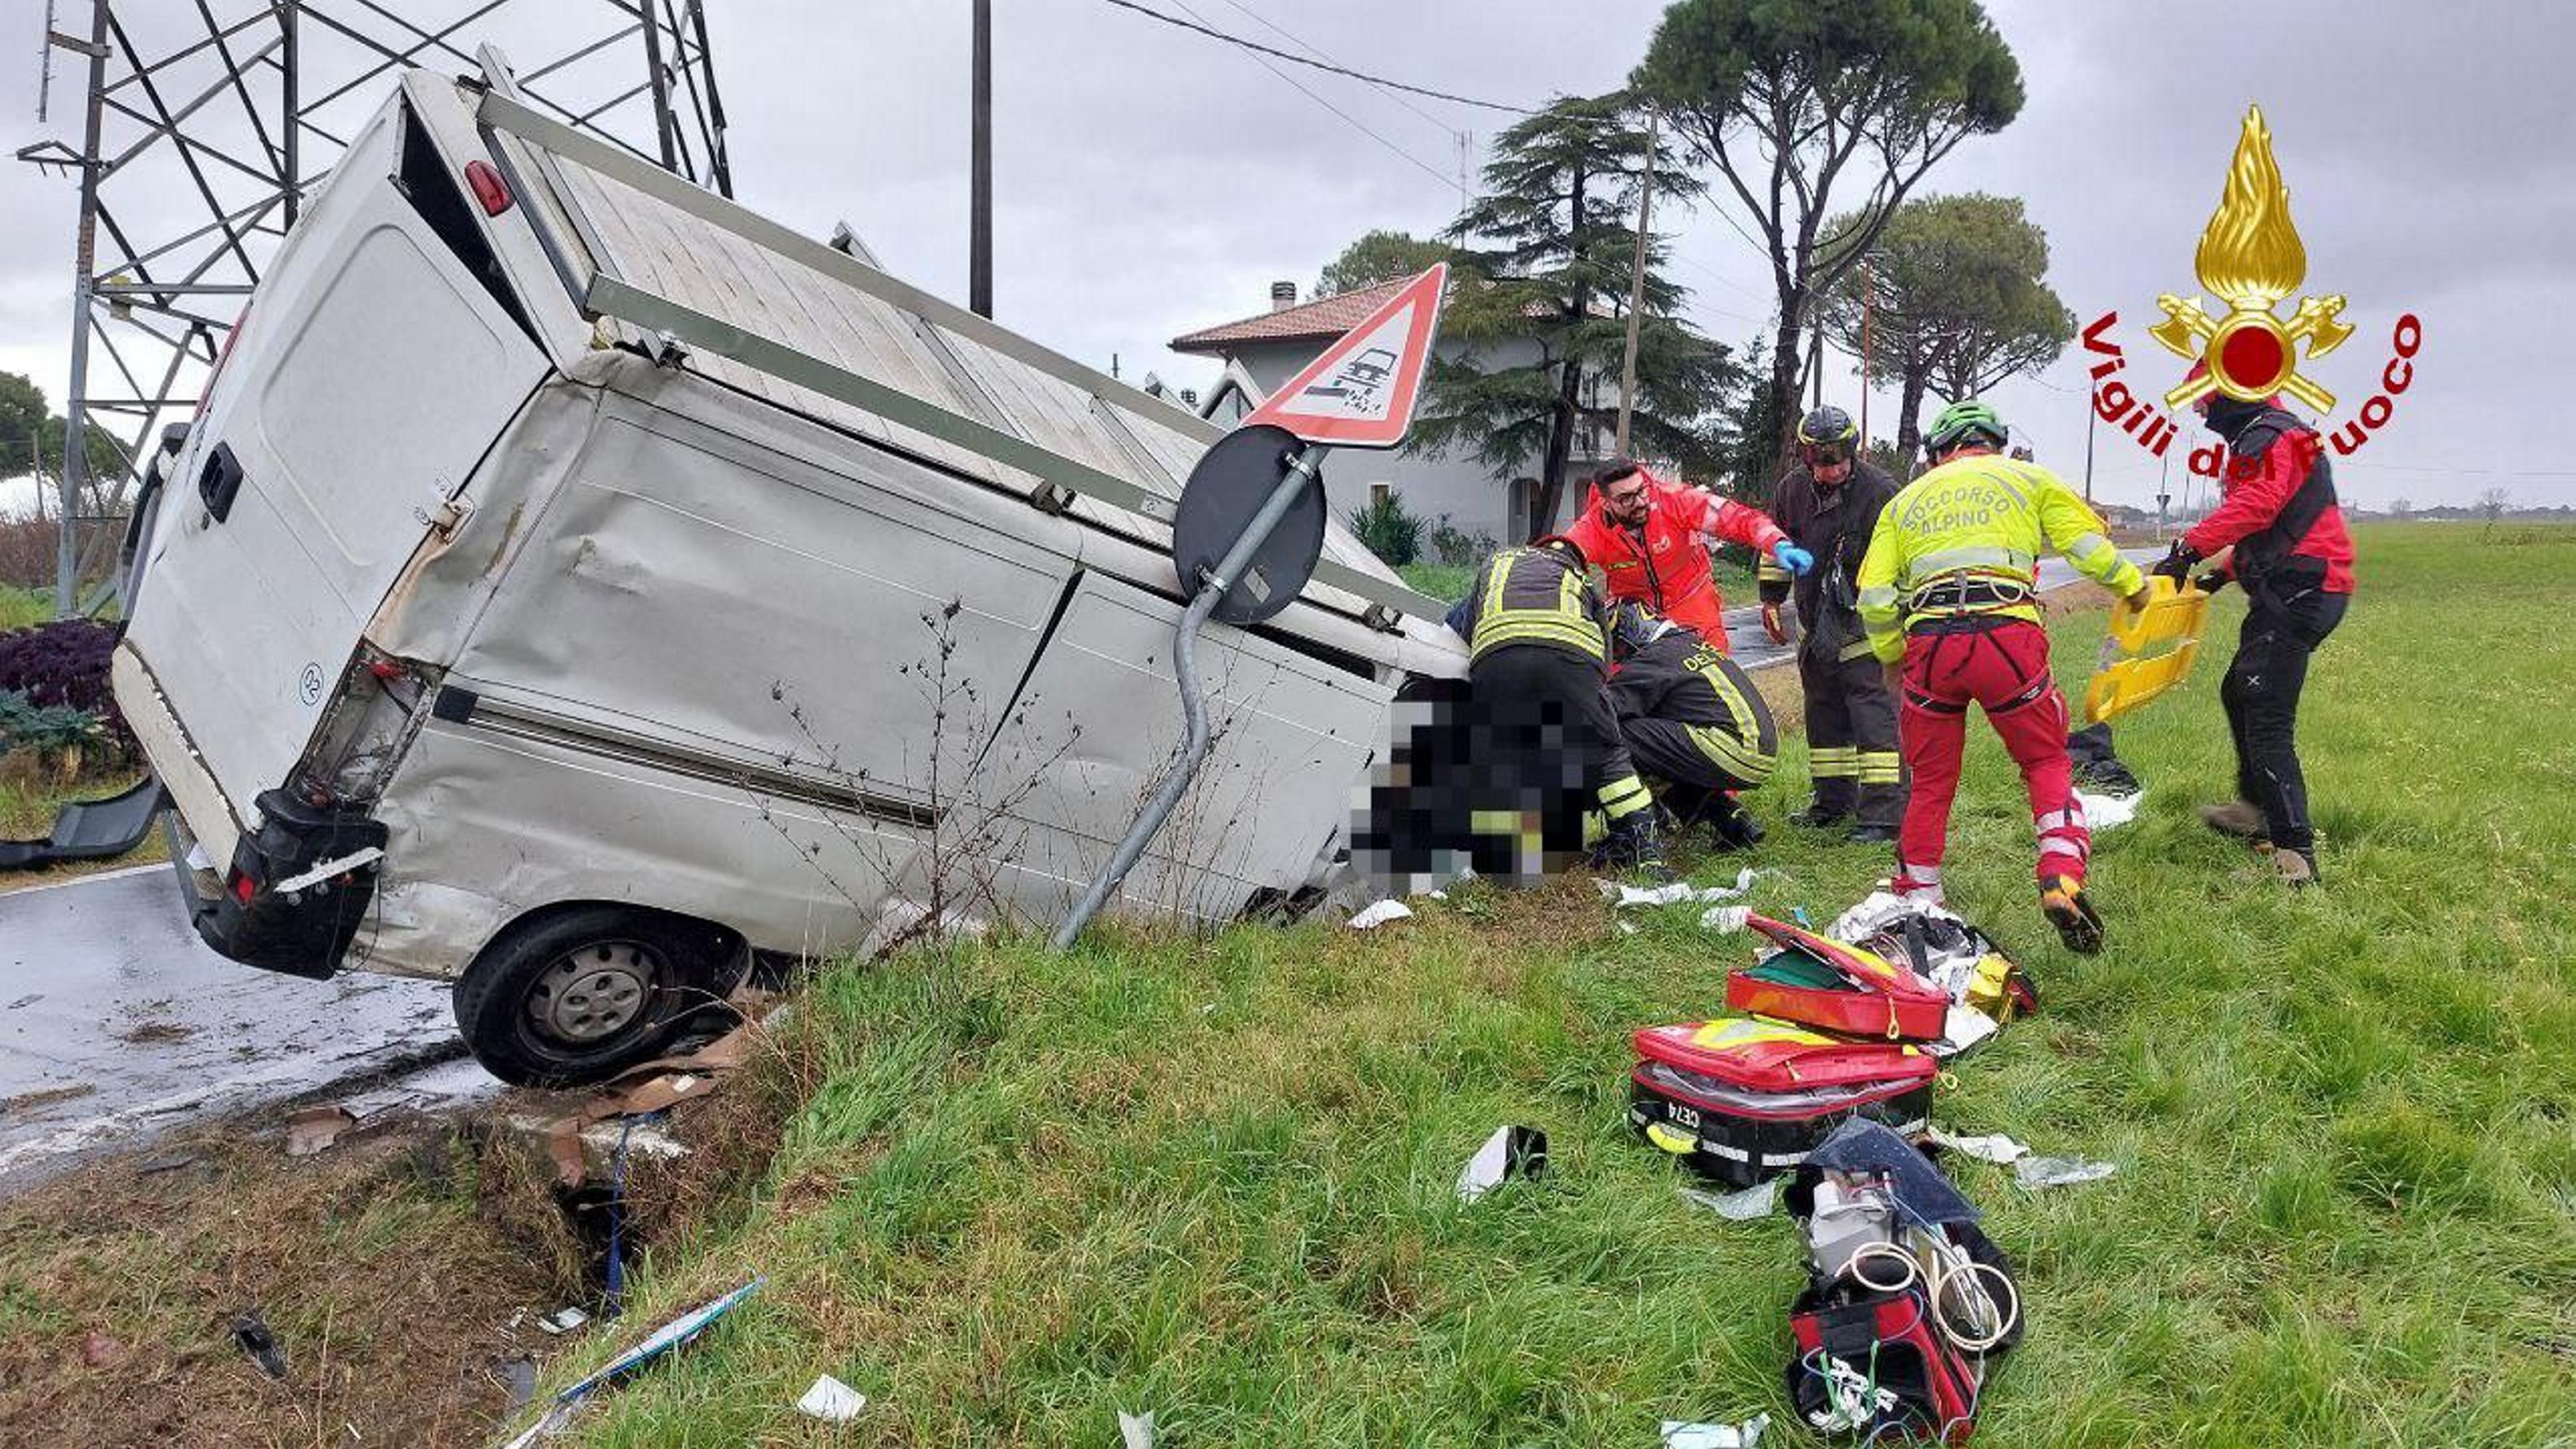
(1827,435)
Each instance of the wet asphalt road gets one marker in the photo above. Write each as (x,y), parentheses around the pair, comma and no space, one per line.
(120,1023)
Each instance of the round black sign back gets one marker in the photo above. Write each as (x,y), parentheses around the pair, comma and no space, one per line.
(1228,486)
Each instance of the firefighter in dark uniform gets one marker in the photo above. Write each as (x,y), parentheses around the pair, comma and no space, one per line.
(1694,722)
(1829,505)
(1538,681)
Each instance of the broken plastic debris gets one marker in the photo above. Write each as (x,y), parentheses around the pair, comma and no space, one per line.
(563,1320)
(1678,1435)
(316,1128)
(1510,1152)
(831,1401)
(2038,1172)
(2101,812)
(1725,918)
(519,1376)
(1136,1431)
(1372,917)
(669,1336)
(251,1336)
(1758,1201)
(1996,1148)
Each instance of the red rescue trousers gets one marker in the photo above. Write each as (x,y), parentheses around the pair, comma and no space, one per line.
(2004,669)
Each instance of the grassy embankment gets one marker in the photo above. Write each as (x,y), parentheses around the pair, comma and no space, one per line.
(1213,1179)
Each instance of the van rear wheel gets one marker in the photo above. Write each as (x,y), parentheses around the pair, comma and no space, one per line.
(577,995)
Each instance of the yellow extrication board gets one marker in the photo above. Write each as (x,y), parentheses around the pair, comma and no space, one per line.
(2149,650)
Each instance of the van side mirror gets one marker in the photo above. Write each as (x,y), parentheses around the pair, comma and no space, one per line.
(219,480)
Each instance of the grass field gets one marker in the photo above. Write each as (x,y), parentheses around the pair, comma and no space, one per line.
(1213,1178)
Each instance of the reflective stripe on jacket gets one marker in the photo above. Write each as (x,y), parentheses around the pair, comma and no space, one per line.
(1535,596)
(1966,538)
(1682,679)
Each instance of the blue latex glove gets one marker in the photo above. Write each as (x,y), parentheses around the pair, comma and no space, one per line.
(1793,558)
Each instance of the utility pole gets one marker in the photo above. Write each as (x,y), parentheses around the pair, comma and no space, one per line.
(2092,415)
(979,242)
(1636,291)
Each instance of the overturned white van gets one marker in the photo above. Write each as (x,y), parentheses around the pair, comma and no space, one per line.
(576,584)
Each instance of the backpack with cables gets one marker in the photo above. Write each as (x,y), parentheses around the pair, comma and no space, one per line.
(1906,1300)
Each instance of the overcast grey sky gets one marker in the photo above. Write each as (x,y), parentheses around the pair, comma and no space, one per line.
(1150,181)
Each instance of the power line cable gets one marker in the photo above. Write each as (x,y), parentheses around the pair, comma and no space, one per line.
(1354,122)
(1213,33)
(1320,53)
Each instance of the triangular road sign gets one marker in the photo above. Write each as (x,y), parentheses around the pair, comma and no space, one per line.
(1360,393)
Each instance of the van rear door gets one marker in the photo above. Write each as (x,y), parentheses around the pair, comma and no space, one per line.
(381,356)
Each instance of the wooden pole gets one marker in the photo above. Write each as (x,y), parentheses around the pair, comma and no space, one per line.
(1636,291)
(979,241)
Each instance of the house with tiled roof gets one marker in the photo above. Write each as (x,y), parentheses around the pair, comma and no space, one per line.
(1264,350)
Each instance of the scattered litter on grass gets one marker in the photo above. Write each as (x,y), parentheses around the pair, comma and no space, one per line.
(251,1336)
(1961,1029)
(1747,1435)
(1372,917)
(563,1320)
(1136,1431)
(1997,1149)
(2038,1172)
(1758,1201)
(316,1128)
(1627,928)
(651,1139)
(1510,1152)
(2101,812)
(1679,891)
(831,1401)
(1725,918)
(664,1339)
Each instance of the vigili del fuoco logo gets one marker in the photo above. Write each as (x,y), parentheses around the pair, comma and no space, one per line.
(2250,258)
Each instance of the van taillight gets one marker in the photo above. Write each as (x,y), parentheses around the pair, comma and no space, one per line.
(489,188)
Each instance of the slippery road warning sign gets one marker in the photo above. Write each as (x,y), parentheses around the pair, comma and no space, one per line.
(1360,393)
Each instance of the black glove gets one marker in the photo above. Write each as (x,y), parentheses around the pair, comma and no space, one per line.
(2211,582)
(2176,564)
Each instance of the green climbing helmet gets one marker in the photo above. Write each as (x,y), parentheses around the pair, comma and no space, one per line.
(1958,420)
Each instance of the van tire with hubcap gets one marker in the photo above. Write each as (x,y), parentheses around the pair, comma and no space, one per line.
(576,995)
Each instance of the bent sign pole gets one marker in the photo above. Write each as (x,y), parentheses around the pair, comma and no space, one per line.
(1359,393)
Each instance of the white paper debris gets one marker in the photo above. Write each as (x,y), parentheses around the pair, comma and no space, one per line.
(2101,812)
(563,1320)
(831,1401)
(1484,1171)
(1758,1201)
(1627,928)
(1372,917)
(1725,918)
(1436,895)
(1679,891)
(1747,1435)
(1963,1028)
(2038,1172)
(1136,1430)
(1997,1148)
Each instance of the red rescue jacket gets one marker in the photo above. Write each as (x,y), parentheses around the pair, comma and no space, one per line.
(1663,564)
(2254,491)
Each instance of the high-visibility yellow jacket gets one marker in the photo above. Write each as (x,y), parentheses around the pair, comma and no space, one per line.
(1966,537)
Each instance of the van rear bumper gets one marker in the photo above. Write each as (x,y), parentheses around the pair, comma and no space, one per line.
(299,888)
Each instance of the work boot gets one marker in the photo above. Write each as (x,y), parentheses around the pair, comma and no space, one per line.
(1817,817)
(1633,844)
(1735,827)
(2236,818)
(1871,835)
(2297,868)
(2077,923)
